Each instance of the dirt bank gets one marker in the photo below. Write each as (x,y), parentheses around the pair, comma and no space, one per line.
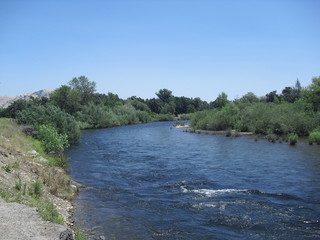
(19,222)
(31,178)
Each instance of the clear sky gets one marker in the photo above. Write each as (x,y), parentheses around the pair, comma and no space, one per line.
(195,48)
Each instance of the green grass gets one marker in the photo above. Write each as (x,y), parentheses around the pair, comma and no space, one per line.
(8,168)
(49,213)
(79,235)
(18,185)
(37,188)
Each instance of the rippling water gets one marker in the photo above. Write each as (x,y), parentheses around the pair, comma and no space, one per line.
(153,181)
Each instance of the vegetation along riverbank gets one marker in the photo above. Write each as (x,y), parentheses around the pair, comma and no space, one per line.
(35,132)
(29,176)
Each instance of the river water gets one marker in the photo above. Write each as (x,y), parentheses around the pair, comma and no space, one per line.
(153,181)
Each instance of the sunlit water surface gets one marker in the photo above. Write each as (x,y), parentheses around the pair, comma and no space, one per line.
(152,181)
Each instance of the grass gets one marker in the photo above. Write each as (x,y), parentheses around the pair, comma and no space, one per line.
(33,198)
(48,174)
(37,188)
(8,168)
(79,235)
(49,213)
(18,185)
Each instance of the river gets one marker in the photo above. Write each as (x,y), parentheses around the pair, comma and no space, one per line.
(153,181)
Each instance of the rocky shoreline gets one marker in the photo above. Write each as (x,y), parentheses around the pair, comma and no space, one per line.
(34,195)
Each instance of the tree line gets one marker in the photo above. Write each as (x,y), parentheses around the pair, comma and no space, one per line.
(57,120)
(292,113)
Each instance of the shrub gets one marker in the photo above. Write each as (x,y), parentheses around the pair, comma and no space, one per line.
(144,117)
(293,138)
(164,117)
(52,140)
(37,188)
(95,116)
(51,115)
(314,136)
(187,116)
(228,133)
(126,114)
(271,137)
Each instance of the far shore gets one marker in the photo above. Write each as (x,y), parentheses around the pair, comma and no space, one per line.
(223,132)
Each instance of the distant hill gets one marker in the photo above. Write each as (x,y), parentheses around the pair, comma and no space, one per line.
(6,101)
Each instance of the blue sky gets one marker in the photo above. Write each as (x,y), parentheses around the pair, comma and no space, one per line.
(195,48)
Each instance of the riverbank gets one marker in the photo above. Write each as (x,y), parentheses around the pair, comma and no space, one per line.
(32,180)
(230,133)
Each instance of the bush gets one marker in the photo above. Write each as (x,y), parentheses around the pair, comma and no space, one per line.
(94,116)
(37,188)
(217,119)
(164,117)
(51,115)
(187,116)
(314,136)
(293,138)
(126,114)
(271,137)
(52,140)
(144,117)
(281,119)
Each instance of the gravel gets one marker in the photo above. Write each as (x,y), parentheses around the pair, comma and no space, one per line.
(21,222)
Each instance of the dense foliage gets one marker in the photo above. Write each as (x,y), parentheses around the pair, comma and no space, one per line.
(292,113)
(57,121)
(296,111)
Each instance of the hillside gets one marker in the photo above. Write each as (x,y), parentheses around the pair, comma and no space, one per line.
(28,176)
(6,101)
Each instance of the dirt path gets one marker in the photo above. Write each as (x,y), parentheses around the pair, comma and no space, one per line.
(21,222)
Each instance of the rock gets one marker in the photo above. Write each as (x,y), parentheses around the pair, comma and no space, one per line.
(102,237)
(33,153)
(42,159)
(66,235)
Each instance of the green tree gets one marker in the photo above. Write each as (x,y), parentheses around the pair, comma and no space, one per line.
(249,97)
(168,108)
(84,87)
(139,105)
(112,100)
(272,97)
(312,94)
(154,104)
(221,100)
(66,98)
(164,95)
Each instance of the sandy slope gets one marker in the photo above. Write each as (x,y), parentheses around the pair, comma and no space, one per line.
(18,221)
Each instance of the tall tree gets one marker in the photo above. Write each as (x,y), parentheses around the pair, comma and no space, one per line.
(312,94)
(66,98)
(84,87)
(272,96)
(164,95)
(249,97)
(221,100)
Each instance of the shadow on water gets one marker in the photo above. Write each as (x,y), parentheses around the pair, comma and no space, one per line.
(152,181)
